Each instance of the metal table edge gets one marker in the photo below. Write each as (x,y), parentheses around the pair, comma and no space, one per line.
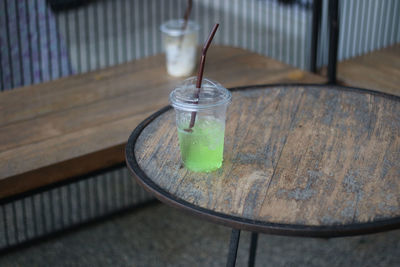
(247,224)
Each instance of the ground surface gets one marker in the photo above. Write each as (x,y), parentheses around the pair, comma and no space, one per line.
(161,236)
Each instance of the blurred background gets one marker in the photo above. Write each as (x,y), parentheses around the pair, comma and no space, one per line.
(45,40)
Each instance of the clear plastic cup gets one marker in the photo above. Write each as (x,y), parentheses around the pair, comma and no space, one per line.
(180,46)
(201,146)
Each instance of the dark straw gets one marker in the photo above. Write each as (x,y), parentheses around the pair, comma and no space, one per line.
(187,14)
(200,73)
(185,21)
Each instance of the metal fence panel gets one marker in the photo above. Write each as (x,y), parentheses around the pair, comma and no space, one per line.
(72,204)
(365,26)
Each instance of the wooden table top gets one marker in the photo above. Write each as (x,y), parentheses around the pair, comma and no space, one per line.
(53,131)
(298,160)
(378,70)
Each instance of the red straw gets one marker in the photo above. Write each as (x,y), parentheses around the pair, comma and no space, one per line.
(200,73)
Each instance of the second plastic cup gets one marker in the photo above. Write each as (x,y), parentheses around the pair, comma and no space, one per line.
(180,47)
(201,146)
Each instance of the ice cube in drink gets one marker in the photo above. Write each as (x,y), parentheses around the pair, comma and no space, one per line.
(202,148)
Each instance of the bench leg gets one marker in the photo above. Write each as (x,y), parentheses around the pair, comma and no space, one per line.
(233,247)
(253,249)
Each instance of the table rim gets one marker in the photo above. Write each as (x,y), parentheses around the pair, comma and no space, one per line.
(236,222)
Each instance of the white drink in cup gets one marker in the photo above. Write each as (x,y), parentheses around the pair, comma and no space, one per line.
(180,46)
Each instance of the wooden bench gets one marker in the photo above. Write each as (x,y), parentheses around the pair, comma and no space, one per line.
(75,125)
(378,70)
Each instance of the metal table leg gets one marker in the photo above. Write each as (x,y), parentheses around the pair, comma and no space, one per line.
(253,249)
(233,247)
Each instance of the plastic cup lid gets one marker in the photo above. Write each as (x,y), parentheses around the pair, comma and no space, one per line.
(174,27)
(212,94)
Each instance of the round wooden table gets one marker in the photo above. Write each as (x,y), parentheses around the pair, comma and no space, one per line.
(301,160)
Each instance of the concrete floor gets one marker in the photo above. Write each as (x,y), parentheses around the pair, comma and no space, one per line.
(162,236)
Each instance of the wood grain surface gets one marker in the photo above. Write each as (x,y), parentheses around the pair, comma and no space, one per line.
(78,124)
(314,156)
(378,70)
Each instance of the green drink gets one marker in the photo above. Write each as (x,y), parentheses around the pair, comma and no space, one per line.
(202,149)
(200,119)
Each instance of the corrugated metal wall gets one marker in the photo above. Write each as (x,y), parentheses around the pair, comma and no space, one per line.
(365,26)
(111,32)
(69,205)
(30,47)
(368,25)
(103,33)
(39,45)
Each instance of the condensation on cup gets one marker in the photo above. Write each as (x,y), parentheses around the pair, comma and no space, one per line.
(180,47)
